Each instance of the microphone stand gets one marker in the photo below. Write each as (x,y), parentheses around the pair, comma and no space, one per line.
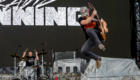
(15,71)
(52,57)
(43,76)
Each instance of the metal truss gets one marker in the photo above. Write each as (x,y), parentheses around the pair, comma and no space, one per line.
(137,12)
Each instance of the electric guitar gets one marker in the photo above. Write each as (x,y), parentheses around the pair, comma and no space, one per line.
(102,31)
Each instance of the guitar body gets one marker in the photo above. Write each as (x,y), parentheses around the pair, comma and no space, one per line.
(102,31)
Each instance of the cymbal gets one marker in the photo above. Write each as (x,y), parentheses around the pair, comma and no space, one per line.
(23,58)
(13,55)
(45,63)
(35,66)
(42,53)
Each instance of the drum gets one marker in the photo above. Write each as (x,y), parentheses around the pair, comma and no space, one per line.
(28,73)
(22,64)
(35,63)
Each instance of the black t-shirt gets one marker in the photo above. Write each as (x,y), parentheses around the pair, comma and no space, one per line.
(93,24)
(30,61)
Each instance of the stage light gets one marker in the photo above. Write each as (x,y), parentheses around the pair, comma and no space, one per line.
(67,69)
(59,69)
(75,69)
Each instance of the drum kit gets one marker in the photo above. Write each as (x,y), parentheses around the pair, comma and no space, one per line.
(29,73)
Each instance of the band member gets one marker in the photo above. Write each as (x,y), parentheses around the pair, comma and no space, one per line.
(90,26)
(30,57)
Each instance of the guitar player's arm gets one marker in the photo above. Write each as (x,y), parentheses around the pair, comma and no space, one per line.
(89,19)
(104,25)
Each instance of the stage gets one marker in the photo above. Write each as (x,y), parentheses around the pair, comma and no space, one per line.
(69,40)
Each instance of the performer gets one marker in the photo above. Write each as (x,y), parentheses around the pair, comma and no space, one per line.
(30,57)
(89,24)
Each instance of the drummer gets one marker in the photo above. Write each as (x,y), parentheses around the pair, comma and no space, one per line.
(31,58)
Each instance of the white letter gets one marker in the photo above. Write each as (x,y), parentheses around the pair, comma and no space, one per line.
(72,16)
(39,16)
(51,15)
(5,16)
(26,16)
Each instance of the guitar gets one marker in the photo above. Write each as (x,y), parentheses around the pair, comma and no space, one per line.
(102,31)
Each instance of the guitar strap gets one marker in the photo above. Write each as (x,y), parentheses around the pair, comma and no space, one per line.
(94,19)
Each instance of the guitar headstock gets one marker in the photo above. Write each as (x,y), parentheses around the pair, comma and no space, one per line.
(91,6)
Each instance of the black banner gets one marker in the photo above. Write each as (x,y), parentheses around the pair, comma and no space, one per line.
(31,23)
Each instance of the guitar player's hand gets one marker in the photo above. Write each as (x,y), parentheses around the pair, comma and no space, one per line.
(94,12)
(106,30)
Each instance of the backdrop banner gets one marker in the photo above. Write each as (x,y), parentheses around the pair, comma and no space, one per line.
(30,23)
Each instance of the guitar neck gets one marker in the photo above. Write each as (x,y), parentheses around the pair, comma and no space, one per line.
(100,24)
(99,20)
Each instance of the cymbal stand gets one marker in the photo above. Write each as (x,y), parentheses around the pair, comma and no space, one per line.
(21,70)
(42,67)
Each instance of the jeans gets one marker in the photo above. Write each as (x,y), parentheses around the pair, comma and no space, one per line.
(93,41)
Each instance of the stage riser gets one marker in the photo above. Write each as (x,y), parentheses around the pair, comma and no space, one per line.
(80,64)
(6,77)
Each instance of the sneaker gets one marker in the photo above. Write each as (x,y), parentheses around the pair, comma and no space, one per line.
(101,47)
(98,64)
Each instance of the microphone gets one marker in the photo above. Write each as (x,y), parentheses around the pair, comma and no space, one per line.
(76,50)
(19,46)
(44,43)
